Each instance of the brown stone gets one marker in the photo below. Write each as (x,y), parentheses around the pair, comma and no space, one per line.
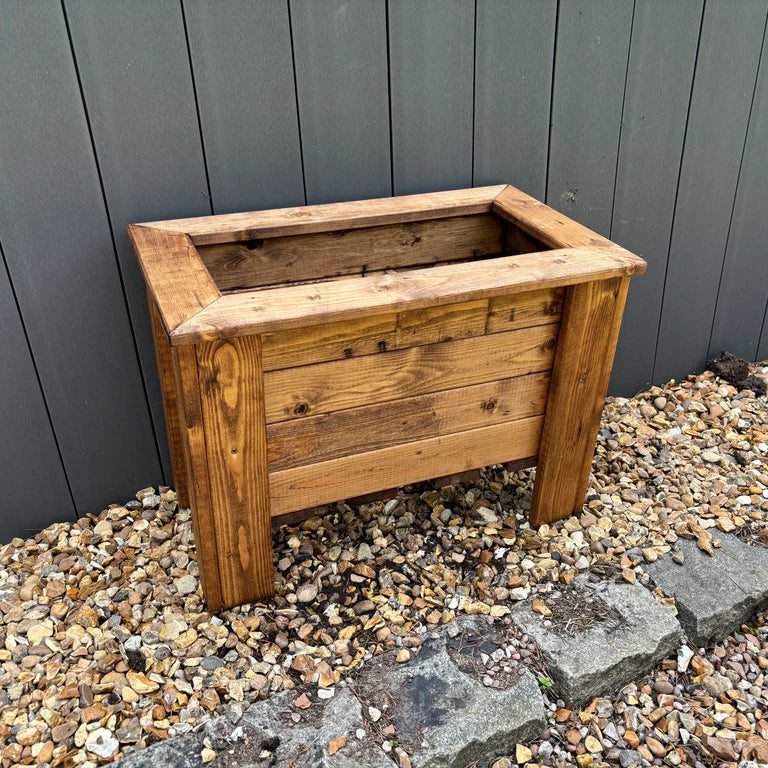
(720,747)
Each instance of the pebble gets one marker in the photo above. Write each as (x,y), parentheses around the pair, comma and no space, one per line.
(185,585)
(102,742)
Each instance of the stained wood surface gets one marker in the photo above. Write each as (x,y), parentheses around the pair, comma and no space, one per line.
(589,329)
(514,52)
(708,180)
(333,386)
(133,68)
(327,481)
(336,341)
(340,56)
(176,277)
(232,400)
(327,254)
(57,243)
(368,428)
(252,153)
(659,77)
(267,311)
(282,222)
(184,361)
(431,71)
(587,97)
(165,368)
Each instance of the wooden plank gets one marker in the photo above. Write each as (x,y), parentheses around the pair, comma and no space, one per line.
(133,66)
(337,341)
(302,220)
(176,277)
(232,398)
(327,481)
(266,311)
(248,113)
(173,425)
(333,386)
(590,67)
(513,83)
(661,63)
(35,492)
(729,53)
(56,238)
(743,293)
(329,254)
(340,53)
(184,360)
(590,327)
(357,430)
(431,45)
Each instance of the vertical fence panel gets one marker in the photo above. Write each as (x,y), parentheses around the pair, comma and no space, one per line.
(248,113)
(590,66)
(513,83)
(57,243)
(340,52)
(744,284)
(722,94)
(431,69)
(134,66)
(661,64)
(35,489)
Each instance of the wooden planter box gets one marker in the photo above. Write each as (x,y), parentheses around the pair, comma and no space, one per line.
(314,354)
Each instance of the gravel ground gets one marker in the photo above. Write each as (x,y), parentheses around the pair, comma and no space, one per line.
(105,645)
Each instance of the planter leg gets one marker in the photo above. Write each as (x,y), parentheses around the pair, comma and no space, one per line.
(588,333)
(233,418)
(170,404)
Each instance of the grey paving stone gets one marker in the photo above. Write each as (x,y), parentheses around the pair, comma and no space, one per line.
(447,718)
(601,659)
(266,736)
(715,594)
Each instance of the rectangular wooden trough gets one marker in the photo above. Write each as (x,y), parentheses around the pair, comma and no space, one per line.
(314,354)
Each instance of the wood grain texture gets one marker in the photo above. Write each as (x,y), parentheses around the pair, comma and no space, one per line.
(248,113)
(340,55)
(336,341)
(357,430)
(589,329)
(232,398)
(327,481)
(302,220)
(184,361)
(266,311)
(58,246)
(333,386)
(662,60)
(513,82)
(177,279)
(587,95)
(431,47)
(729,52)
(165,369)
(348,252)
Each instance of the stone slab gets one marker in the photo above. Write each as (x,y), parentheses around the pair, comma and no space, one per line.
(447,718)
(715,594)
(266,735)
(607,656)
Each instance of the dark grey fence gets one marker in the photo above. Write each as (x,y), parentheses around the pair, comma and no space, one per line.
(646,120)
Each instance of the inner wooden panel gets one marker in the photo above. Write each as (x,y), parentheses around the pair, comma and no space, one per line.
(327,255)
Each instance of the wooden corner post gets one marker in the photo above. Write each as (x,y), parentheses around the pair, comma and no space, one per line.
(588,334)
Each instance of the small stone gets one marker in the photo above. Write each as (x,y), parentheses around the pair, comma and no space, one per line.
(678,557)
(185,585)
(584,760)
(403,655)
(650,555)
(207,755)
(374,714)
(306,593)
(102,742)
(720,747)
(334,745)
(36,633)
(628,575)
(103,528)
(629,758)
(684,656)
(655,746)
(592,744)
(63,731)
(502,762)
(27,736)
(523,754)
(302,702)
(537,606)
(141,683)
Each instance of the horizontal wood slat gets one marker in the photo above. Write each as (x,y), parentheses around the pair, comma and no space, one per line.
(328,436)
(334,341)
(333,386)
(347,252)
(327,481)
(282,222)
(266,311)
